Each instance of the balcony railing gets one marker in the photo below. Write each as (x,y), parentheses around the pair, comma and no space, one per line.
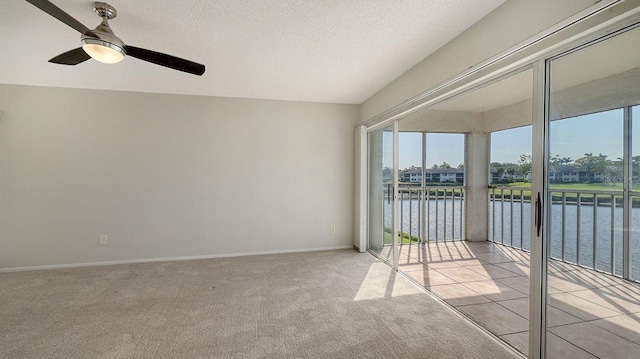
(509,216)
(434,213)
(586,227)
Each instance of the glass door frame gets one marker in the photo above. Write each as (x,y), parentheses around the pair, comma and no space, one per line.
(394,196)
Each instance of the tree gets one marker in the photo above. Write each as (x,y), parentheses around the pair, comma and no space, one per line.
(445,165)
(387,172)
(461,166)
(635,167)
(524,164)
(565,160)
(615,170)
(592,165)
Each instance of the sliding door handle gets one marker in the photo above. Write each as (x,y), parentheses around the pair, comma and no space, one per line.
(389,194)
(538,215)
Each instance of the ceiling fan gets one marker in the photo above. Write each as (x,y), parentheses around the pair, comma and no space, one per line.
(103,45)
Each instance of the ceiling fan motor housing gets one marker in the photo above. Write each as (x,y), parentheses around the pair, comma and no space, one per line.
(104,36)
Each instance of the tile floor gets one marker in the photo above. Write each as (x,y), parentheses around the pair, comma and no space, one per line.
(590,314)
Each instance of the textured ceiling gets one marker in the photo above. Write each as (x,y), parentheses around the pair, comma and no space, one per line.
(339,51)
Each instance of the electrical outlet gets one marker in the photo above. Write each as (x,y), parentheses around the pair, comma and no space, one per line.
(103,240)
(333,229)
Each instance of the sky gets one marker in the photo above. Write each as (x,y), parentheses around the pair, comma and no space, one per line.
(440,148)
(599,133)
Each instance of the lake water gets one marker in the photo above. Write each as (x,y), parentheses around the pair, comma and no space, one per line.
(509,231)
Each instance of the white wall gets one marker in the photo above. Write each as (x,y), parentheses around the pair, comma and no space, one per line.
(168,175)
(508,25)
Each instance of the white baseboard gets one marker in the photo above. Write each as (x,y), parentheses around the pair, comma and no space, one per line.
(168,259)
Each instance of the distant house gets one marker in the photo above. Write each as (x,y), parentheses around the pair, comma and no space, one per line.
(434,175)
(445,175)
(414,176)
(569,174)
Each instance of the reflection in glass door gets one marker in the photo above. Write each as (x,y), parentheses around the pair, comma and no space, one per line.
(381,193)
(591,228)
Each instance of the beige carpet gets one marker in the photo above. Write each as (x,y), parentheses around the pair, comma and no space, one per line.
(334,304)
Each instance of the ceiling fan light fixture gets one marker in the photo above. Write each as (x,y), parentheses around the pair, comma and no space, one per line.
(103,51)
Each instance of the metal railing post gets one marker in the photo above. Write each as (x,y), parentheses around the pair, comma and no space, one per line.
(564,221)
(595,230)
(578,204)
(613,233)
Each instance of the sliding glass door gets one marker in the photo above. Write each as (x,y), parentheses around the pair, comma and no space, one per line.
(561,276)
(382,202)
(591,196)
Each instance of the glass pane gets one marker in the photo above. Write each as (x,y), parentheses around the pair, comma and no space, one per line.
(585,167)
(445,185)
(510,174)
(380,144)
(410,209)
(589,307)
(486,281)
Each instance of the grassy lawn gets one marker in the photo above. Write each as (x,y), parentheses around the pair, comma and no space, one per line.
(403,237)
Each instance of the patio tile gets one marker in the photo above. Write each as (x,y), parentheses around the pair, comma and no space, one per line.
(411,267)
(495,296)
(457,255)
(557,347)
(519,306)
(626,326)
(597,341)
(430,277)
(520,341)
(494,290)
(462,274)
(611,298)
(560,348)
(457,294)
(436,258)
(555,316)
(588,278)
(492,271)
(631,287)
(517,268)
(496,318)
(556,266)
(470,262)
(520,284)
(517,255)
(483,247)
(566,285)
(441,264)
(494,257)
(579,307)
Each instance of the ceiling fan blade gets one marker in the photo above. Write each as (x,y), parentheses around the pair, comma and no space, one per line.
(165,60)
(71,57)
(56,12)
